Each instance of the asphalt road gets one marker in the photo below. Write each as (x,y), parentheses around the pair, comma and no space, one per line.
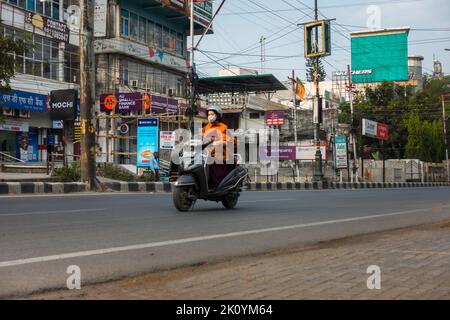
(110,236)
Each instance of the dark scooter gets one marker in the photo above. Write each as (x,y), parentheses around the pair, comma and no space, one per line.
(194,176)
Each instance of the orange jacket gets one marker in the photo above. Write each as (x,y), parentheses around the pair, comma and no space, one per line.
(217,130)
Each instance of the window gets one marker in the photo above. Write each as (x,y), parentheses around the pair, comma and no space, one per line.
(173,41)
(156,80)
(158,35)
(124,22)
(142,29)
(55,9)
(150,32)
(134,31)
(180,44)
(166,38)
(254,115)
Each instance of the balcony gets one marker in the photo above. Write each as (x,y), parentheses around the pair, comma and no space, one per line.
(178,12)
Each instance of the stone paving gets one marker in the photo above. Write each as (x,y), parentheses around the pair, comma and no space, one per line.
(414,264)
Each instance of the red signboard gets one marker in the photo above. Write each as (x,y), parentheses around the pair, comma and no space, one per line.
(275,118)
(382,131)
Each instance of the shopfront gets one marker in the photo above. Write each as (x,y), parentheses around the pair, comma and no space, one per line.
(24,124)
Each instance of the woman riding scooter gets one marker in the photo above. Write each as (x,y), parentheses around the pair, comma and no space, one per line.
(216,177)
(215,130)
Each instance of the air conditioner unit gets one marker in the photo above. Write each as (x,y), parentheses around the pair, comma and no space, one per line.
(134,83)
(8,112)
(24,114)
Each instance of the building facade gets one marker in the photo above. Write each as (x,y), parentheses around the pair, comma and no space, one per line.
(142,51)
(51,63)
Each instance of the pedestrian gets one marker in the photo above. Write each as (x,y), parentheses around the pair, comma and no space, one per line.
(154,166)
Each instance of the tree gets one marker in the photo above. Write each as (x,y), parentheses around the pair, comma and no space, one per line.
(9,47)
(310,68)
(425,139)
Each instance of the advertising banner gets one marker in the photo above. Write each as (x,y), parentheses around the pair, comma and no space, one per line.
(309,153)
(56,29)
(147,140)
(100,16)
(63,104)
(369,128)
(14,125)
(167,140)
(341,155)
(285,153)
(382,131)
(163,105)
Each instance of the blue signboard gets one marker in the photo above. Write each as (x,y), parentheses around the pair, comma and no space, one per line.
(21,100)
(147,140)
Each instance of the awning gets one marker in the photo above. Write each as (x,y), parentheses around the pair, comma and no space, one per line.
(239,84)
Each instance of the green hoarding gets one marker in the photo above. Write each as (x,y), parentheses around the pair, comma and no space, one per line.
(380,57)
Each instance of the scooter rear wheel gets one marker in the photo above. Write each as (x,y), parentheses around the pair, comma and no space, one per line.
(181,199)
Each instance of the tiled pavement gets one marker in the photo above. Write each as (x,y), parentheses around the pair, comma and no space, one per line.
(414,262)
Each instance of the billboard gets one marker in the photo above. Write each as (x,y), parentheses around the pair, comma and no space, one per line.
(147,140)
(375,129)
(379,56)
(341,157)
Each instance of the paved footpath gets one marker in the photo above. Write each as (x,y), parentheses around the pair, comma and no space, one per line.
(414,264)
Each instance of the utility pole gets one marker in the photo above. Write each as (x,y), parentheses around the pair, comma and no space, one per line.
(191,108)
(318,175)
(87,93)
(263,53)
(445,136)
(352,133)
(294,108)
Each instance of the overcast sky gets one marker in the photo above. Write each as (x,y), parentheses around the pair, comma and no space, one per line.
(241,23)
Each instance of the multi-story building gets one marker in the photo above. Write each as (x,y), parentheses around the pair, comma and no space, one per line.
(141,49)
(51,63)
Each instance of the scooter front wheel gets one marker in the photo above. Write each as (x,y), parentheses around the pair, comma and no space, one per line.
(230,200)
(181,199)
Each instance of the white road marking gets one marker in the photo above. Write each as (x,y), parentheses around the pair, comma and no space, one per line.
(49,212)
(266,200)
(197,239)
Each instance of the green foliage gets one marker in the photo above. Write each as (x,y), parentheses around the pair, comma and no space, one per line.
(310,67)
(115,172)
(425,139)
(146,177)
(414,119)
(71,173)
(9,47)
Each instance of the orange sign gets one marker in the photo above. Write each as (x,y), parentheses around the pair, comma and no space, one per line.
(146,101)
(110,102)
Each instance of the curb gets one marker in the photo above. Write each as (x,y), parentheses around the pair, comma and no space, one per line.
(42,187)
(166,187)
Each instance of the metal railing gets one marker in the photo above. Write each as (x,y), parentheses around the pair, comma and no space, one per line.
(4,157)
